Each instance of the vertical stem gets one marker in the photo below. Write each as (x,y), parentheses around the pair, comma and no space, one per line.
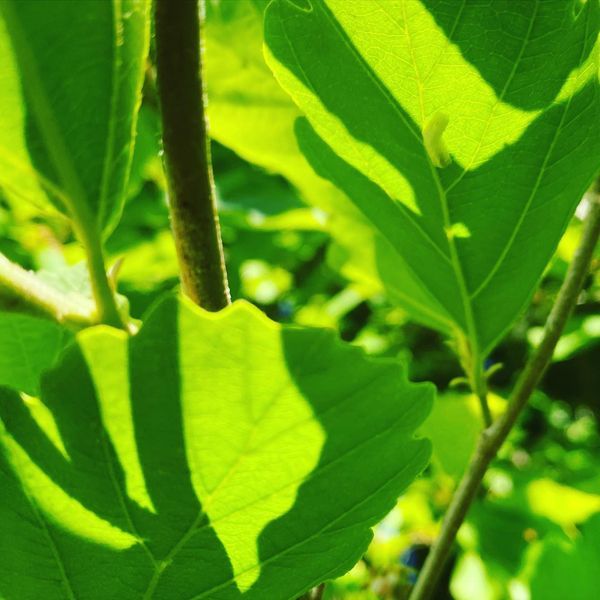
(492,438)
(194,218)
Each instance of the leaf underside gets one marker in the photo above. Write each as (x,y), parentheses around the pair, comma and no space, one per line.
(210,456)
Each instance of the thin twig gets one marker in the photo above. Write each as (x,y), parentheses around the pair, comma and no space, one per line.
(492,438)
(186,147)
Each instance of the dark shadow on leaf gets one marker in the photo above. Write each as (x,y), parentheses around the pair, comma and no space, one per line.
(377,207)
(344,496)
(524,50)
(499,204)
(348,87)
(504,229)
(181,555)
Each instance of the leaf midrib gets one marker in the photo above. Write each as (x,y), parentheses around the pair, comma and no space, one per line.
(74,196)
(454,259)
(194,527)
(499,98)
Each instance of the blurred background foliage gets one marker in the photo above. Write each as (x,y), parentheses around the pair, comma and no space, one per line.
(297,250)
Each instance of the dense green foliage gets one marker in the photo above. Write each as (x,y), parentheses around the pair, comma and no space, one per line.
(405,172)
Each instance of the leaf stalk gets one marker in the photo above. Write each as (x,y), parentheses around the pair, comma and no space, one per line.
(479,387)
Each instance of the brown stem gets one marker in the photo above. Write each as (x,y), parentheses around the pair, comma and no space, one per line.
(492,438)
(194,218)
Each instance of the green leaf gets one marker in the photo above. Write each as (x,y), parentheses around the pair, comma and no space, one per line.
(251,198)
(569,570)
(210,456)
(451,413)
(70,81)
(73,282)
(28,347)
(518,85)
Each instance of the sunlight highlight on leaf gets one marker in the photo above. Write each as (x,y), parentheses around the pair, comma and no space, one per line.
(426,73)
(266,426)
(376,166)
(58,507)
(13,151)
(45,420)
(372,81)
(580,76)
(108,363)
(565,505)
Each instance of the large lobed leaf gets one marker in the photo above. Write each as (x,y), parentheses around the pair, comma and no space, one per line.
(70,82)
(211,456)
(516,83)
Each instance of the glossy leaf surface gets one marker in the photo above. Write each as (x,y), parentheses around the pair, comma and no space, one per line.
(210,456)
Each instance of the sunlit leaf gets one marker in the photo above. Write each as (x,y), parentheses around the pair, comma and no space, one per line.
(210,456)
(250,114)
(454,412)
(248,110)
(517,83)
